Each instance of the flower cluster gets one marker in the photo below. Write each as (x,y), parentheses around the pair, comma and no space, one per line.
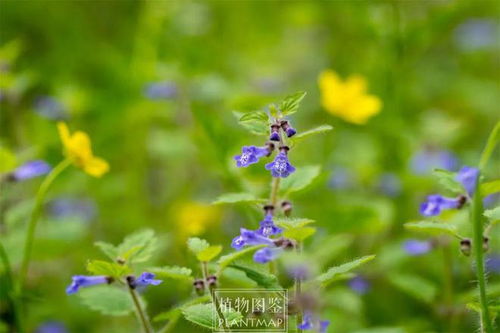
(309,323)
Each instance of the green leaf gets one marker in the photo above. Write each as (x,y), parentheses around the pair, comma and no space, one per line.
(490,146)
(433,228)
(108,249)
(332,273)
(447,180)
(173,313)
(209,253)
(273,110)
(265,280)
(300,179)
(260,116)
(99,267)
(415,286)
(291,223)
(490,188)
(299,234)
(173,272)
(493,214)
(291,103)
(138,247)
(196,245)
(305,134)
(231,198)
(253,122)
(205,315)
(226,260)
(107,299)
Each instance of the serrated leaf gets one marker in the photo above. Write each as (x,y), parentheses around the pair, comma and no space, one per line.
(254,126)
(300,179)
(265,280)
(99,267)
(493,214)
(108,300)
(232,198)
(433,228)
(260,116)
(299,234)
(138,247)
(273,110)
(108,249)
(490,188)
(305,134)
(415,286)
(173,272)
(493,139)
(290,223)
(196,245)
(447,180)
(205,315)
(173,313)
(226,260)
(209,253)
(333,272)
(291,103)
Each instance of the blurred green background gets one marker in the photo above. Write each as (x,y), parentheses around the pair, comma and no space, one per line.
(155,83)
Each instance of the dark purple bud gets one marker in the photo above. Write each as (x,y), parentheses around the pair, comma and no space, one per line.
(199,286)
(275,132)
(212,281)
(285,243)
(286,206)
(289,130)
(269,209)
(465,246)
(486,244)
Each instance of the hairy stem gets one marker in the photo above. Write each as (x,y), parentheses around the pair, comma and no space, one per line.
(143,319)
(275,185)
(477,243)
(35,216)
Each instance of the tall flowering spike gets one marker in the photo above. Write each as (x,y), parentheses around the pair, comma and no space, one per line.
(275,132)
(416,247)
(30,170)
(267,227)
(289,130)
(468,177)
(436,203)
(145,279)
(77,147)
(250,155)
(79,281)
(267,254)
(281,167)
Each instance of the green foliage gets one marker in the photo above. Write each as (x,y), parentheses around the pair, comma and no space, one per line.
(305,134)
(205,315)
(173,313)
(99,267)
(334,272)
(226,260)
(433,228)
(173,272)
(256,122)
(209,253)
(490,188)
(108,300)
(299,233)
(135,248)
(490,145)
(291,103)
(415,286)
(233,198)
(292,223)
(197,245)
(448,181)
(493,214)
(300,179)
(265,280)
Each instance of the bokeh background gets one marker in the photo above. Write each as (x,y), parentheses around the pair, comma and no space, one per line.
(155,83)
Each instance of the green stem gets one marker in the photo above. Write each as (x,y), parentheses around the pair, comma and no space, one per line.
(274,190)
(204,271)
(35,215)
(14,301)
(298,290)
(448,287)
(477,243)
(146,326)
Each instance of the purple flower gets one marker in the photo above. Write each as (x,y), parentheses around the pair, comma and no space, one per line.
(280,167)
(51,327)
(69,208)
(86,281)
(425,161)
(323,325)
(249,237)
(289,130)
(50,108)
(250,155)
(342,178)
(307,324)
(476,34)
(146,279)
(267,227)
(415,247)
(359,285)
(468,177)
(160,90)
(299,271)
(493,263)
(267,254)
(389,184)
(436,203)
(275,132)
(30,170)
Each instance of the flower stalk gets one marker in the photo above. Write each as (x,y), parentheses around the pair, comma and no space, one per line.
(143,319)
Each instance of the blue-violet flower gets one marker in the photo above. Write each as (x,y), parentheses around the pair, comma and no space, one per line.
(30,170)
(281,167)
(436,203)
(250,155)
(86,281)
(267,227)
(417,247)
(468,177)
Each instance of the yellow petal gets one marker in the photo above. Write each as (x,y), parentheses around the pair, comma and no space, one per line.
(332,91)
(63,133)
(355,85)
(96,167)
(80,146)
(363,109)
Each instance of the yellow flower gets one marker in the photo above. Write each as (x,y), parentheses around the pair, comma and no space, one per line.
(194,218)
(77,148)
(347,99)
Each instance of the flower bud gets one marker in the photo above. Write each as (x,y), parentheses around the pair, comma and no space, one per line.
(286,206)
(462,199)
(270,148)
(486,244)
(269,209)
(284,149)
(465,247)
(212,282)
(285,243)
(130,281)
(199,286)
(289,130)
(275,132)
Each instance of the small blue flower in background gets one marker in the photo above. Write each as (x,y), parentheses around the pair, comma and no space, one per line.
(436,203)
(249,237)
(51,327)
(307,324)
(250,155)
(417,247)
(146,279)
(493,263)
(50,108)
(30,170)
(160,90)
(267,227)
(491,200)
(299,271)
(425,161)
(476,34)
(63,208)
(267,254)
(359,285)
(86,281)
(468,177)
(280,167)
(342,178)
(389,184)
